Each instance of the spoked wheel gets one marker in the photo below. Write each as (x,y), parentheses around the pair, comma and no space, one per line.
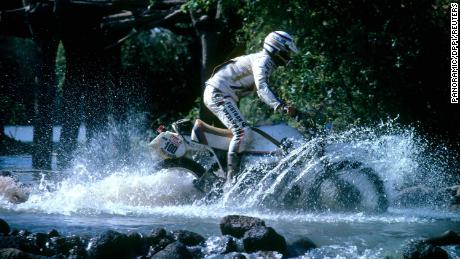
(349,185)
(341,186)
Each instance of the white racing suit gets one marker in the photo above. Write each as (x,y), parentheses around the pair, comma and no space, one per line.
(232,80)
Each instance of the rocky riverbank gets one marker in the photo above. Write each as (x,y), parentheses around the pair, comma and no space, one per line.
(242,237)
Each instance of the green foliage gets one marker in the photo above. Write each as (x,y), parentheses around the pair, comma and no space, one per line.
(17,62)
(357,63)
(158,46)
(198,4)
(195,111)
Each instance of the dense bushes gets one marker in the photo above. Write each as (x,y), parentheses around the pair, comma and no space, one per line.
(157,64)
(361,61)
(17,58)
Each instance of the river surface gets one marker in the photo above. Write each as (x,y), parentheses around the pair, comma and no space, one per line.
(101,191)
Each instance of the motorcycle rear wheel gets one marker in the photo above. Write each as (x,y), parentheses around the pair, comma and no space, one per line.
(355,181)
(343,186)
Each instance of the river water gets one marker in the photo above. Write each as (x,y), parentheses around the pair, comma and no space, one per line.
(108,189)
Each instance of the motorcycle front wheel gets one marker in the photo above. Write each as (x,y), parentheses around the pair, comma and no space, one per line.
(205,181)
(183,164)
(340,186)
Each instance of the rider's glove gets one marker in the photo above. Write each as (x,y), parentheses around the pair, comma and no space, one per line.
(289,110)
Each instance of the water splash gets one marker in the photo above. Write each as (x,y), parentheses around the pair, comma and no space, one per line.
(344,251)
(107,177)
(410,171)
(119,193)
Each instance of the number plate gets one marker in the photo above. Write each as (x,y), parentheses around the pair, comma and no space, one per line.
(172,145)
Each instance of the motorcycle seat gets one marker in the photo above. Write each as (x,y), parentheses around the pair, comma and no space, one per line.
(212,136)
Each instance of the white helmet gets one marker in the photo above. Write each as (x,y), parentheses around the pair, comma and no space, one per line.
(280,45)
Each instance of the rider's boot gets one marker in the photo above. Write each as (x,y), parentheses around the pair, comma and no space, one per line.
(233,167)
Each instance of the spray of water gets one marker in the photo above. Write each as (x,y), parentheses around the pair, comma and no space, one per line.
(116,174)
(410,174)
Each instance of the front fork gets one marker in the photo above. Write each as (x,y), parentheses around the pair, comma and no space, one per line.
(194,148)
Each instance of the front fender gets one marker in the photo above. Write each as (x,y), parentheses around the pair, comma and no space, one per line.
(168,145)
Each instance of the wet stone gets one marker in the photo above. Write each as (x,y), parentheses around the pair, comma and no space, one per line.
(39,241)
(160,245)
(71,245)
(422,250)
(430,247)
(188,238)
(173,250)
(137,243)
(110,244)
(235,256)
(158,240)
(434,252)
(53,233)
(300,247)
(236,225)
(264,239)
(157,235)
(24,233)
(18,242)
(220,245)
(13,253)
(268,255)
(196,252)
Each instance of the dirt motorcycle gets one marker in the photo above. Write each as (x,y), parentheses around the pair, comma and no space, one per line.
(201,150)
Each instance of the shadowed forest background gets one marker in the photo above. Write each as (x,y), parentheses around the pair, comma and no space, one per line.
(68,62)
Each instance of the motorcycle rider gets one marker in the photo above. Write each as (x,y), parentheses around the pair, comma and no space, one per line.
(239,77)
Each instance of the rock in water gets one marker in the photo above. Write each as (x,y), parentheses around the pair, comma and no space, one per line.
(158,240)
(4,227)
(13,253)
(268,255)
(445,239)
(158,234)
(53,233)
(187,237)
(263,238)
(110,244)
(71,245)
(220,245)
(429,248)
(38,241)
(138,243)
(236,225)
(434,252)
(12,190)
(175,250)
(19,242)
(300,247)
(422,250)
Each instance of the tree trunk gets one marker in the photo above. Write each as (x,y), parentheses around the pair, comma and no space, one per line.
(42,26)
(207,30)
